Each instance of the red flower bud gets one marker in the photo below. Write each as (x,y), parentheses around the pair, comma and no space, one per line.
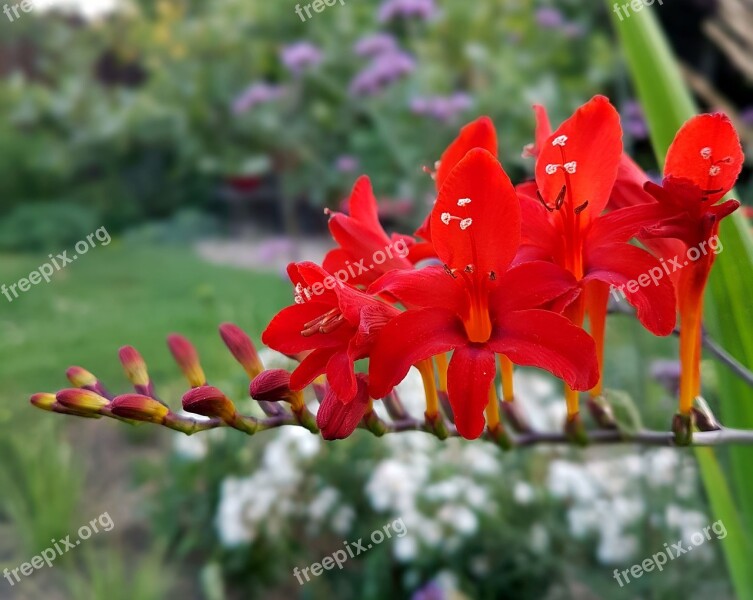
(187,358)
(83,401)
(209,402)
(337,420)
(134,365)
(139,408)
(242,348)
(271,385)
(80,377)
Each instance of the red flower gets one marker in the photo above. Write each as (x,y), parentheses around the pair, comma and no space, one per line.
(478,134)
(702,165)
(366,251)
(563,222)
(475,306)
(333,320)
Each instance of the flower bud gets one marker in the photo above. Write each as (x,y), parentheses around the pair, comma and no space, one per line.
(209,402)
(81,378)
(83,401)
(242,348)
(187,358)
(49,403)
(135,368)
(139,408)
(274,385)
(44,401)
(337,420)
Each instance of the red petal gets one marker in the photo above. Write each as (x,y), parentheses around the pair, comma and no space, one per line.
(537,229)
(685,158)
(628,189)
(620,264)
(623,224)
(337,420)
(530,285)
(594,143)
(311,367)
(284,331)
(341,375)
(539,338)
(312,282)
(362,204)
(471,372)
(478,134)
(421,289)
(484,232)
(543,128)
(408,339)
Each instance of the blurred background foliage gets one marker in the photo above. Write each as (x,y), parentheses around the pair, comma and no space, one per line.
(196,131)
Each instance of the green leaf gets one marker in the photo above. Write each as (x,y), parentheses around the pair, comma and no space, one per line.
(667,104)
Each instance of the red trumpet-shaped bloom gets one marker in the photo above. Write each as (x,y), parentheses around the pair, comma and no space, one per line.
(365,250)
(335,322)
(478,134)
(702,165)
(563,221)
(475,306)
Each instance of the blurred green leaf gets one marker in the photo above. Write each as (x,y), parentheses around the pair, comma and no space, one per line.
(667,104)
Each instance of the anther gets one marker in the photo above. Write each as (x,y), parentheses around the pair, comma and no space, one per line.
(581,208)
(560,200)
(543,202)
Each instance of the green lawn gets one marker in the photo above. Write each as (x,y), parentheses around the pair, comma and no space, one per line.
(117,295)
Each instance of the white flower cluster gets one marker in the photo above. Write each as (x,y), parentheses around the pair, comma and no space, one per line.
(607,497)
(269,498)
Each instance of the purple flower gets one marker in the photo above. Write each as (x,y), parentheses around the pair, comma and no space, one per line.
(441,108)
(549,18)
(431,591)
(383,70)
(406,9)
(257,93)
(633,121)
(346,163)
(572,30)
(667,374)
(301,56)
(375,44)
(746,116)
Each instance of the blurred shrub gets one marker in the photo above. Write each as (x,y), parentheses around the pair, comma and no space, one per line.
(108,574)
(156,107)
(41,488)
(183,227)
(46,226)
